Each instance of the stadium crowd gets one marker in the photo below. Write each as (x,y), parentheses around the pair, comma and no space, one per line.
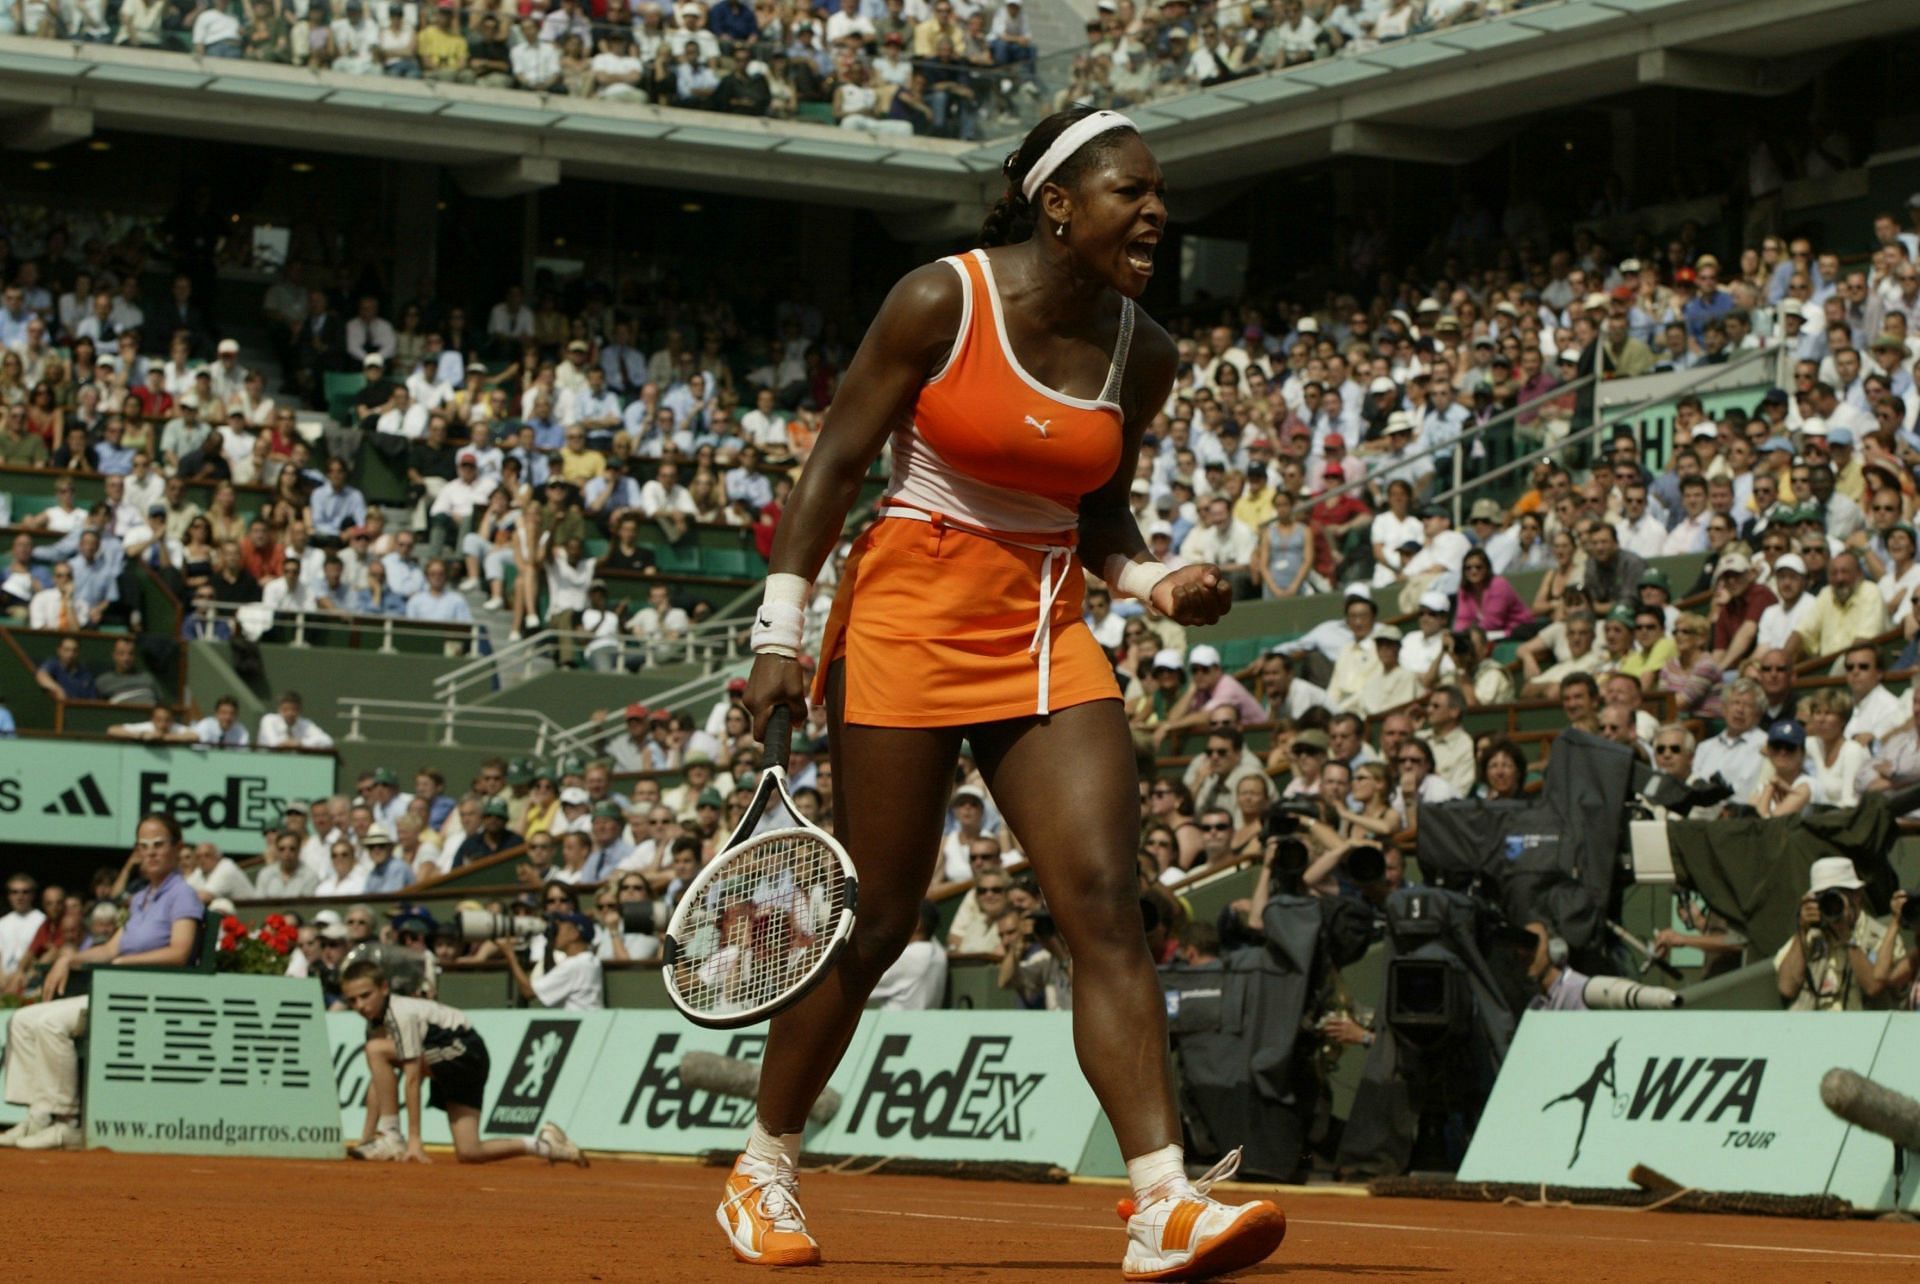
(1300,450)
(944,68)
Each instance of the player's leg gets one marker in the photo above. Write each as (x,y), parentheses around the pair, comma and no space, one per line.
(890,787)
(381,1140)
(1067,785)
(890,796)
(550,1143)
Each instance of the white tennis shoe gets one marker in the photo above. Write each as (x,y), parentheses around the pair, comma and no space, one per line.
(557,1148)
(762,1215)
(388,1147)
(37,1119)
(1190,1236)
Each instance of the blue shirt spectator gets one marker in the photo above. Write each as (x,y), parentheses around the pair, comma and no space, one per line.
(733,20)
(336,506)
(389,873)
(63,674)
(7,731)
(377,601)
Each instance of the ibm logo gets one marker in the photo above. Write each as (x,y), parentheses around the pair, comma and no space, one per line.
(176,1039)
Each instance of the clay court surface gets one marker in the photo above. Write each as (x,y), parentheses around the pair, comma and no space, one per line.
(99,1216)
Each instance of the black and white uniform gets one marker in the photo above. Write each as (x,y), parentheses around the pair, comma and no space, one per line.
(443,1037)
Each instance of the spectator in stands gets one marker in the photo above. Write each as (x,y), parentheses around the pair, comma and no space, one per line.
(493,838)
(660,624)
(1390,685)
(1503,772)
(214,875)
(1452,746)
(974,930)
(437,602)
(1784,787)
(1283,694)
(1212,688)
(346,877)
(18,928)
(159,728)
(1844,610)
(285,877)
(917,980)
(127,682)
(385,871)
(1876,711)
(64,676)
(1691,676)
(1214,776)
(1673,748)
(1487,600)
(42,1068)
(287,727)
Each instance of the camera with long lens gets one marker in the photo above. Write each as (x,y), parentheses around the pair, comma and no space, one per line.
(479,925)
(1366,864)
(1833,906)
(644,918)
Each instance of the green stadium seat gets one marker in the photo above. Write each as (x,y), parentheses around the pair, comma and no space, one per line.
(818,113)
(340,389)
(678,559)
(1238,653)
(725,561)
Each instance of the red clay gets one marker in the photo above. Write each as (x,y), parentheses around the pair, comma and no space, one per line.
(100,1216)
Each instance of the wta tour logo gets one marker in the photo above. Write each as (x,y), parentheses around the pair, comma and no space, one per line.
(1674,1090)
(529,1082)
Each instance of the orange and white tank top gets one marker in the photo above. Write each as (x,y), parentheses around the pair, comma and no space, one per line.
(990,445)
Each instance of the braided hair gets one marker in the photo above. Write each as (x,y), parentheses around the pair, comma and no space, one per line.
(1012,217)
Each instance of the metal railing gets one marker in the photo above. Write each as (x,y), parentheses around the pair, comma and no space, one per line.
(710,644)
(1605,420)
(457,723)
(695,691)
(300,628)
(1458,445)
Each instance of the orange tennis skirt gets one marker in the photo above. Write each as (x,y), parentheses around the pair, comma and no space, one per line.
(938,628)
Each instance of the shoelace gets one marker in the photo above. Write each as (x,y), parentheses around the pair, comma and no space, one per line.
(1202,1186)
(778,1186)
(1222,1171)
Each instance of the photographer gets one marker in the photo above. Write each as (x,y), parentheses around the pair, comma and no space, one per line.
(1034,962)
(1831,962)
(1893,966)
(574,980)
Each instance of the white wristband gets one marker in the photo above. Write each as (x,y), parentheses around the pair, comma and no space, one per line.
(778,628)
(1133,579)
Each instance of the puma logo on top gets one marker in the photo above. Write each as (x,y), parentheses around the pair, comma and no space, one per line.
(1040,424)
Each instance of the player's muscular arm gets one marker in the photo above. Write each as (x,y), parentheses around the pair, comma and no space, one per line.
(916,327)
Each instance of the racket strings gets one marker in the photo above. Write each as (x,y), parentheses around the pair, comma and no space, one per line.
(762,925)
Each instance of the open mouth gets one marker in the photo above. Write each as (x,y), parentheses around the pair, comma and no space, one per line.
(1139,253)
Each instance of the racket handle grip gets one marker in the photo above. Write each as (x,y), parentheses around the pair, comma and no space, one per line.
(779,746)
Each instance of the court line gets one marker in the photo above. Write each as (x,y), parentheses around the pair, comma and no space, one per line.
(1421,1229)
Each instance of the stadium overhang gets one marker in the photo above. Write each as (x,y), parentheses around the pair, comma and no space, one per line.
(1446,98)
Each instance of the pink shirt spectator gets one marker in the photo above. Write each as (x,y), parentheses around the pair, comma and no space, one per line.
(1229,691)
(1497,609)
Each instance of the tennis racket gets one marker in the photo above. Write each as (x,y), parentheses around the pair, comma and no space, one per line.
(761,924)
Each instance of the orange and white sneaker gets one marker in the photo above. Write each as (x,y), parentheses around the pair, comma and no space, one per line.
(762,1215)
(1194,1237)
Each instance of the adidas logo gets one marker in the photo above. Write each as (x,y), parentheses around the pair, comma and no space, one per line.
(84,799)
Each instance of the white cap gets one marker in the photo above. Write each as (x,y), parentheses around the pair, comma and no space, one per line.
(378,835)
(1570,354)
(1383,384)
(229,345)
(1140,487)
(1813,426)
(328,918)
(1594,300)
(1790,562)
(1308,325)
(574,796)
(1203,656)
(1399,421)
(1428,305)
(1433,601)
(1170,658)
(1159,528)
(1830,872)
(1387,633)
(1793,308)
(1356,590)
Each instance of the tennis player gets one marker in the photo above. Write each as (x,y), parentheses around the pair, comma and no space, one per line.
(1016,383)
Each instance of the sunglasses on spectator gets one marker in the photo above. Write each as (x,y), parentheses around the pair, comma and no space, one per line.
(993,889)
(1158,792)
(1159,840)
(359,922)
(1216,827)
(1666,748)
(1862,668)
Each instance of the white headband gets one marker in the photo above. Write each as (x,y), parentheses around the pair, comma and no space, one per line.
(1071,140)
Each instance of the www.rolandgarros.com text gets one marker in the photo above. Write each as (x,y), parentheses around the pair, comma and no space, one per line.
(210,1130)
